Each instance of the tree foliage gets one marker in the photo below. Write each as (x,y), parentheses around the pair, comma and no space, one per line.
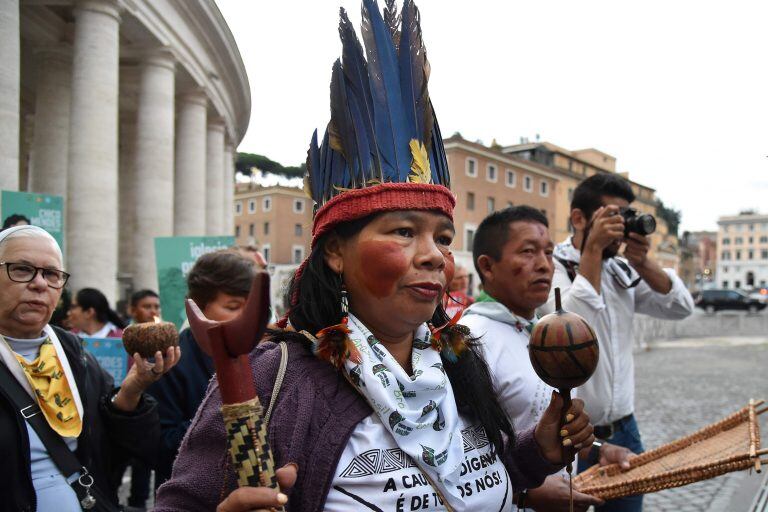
(671,216)
(247,161)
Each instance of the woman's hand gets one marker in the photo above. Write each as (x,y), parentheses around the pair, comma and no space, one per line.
(552,437)
(247,499)
(141,375)
(554,496)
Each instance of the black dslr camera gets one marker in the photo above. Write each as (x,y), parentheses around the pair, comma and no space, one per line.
(635,222)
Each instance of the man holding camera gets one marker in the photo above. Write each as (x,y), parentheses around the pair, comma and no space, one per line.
(607,291)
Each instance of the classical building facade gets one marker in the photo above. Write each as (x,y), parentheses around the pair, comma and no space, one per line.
(131,110)
(571,167)
(742,247)
(275,219)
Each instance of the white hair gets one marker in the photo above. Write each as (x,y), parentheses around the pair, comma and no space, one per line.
(27,231)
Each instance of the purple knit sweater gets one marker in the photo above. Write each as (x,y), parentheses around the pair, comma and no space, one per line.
(315,414)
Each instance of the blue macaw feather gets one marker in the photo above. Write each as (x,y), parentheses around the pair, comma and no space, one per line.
(344,132)
(325,159)
(410,83)
(314,171)
(363,143)
(392,20)
(389,116)
(439,164)
(356,72)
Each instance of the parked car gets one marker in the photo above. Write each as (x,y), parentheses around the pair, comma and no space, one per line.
(716,300)
(760,293)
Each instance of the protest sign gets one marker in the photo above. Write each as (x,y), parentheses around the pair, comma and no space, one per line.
(110,354)
(41,209)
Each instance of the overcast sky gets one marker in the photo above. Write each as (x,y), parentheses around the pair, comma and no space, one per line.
(676,91)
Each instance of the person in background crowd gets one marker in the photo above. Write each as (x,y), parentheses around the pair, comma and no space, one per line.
(144,306)
(91,317)
(250,251)
(60,317)
(607,290)
(15,220)
(513,256)
(69,391)
(457,298)
(219,283)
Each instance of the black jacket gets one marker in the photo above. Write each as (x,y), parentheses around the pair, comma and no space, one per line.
(108,435)
(179,393)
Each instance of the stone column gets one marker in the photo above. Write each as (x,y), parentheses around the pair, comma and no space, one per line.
(214,196)
(92,200)
(153,164)
(127,194)
(10,79)
(50,143)
(228,221)
(190,176)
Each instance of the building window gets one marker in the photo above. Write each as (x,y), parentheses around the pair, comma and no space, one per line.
(298,254)
(726,255)
(298,230)
(764,254)
(764,239)
(491,205)
(738,255)
(528,184)
(471,167)
(469,236)
(252,206)
(491,174)
(238,207)
(570,194)
(266,204)
(738,240)
(470,200)
(751,240)
(544,188)
(511,178)
(298,206)
(266,228)
(509,204)
(237,231)
(750,255)
(725,284)
(726,241)
(737,284)
(725,269)
(751,227)
(250,229)
(266,251)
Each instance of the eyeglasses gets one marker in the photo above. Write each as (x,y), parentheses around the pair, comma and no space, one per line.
(24,273)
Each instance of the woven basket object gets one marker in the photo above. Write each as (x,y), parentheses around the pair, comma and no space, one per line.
(731,444)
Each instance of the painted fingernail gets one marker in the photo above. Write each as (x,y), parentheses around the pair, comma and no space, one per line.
(282,498)
(569,417)
(563,433)
(566,442)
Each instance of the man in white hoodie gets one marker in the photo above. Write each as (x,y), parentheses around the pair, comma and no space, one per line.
(512,253)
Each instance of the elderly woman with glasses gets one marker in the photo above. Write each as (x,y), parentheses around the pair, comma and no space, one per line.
(55,399)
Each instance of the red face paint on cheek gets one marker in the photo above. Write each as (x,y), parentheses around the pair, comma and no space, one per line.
(381,266)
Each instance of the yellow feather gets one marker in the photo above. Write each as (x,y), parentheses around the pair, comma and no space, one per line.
(420,171)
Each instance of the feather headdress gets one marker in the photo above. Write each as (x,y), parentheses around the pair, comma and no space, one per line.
(383,127)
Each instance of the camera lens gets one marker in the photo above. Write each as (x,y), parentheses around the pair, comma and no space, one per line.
(646,224)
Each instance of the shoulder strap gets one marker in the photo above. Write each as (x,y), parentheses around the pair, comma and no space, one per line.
(278,380)
(570,267)
(62,456)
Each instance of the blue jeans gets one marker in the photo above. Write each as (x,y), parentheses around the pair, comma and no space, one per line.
(625,434)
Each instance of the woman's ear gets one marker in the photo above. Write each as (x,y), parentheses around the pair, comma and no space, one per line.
(578,220)
(89,313)
(333,252)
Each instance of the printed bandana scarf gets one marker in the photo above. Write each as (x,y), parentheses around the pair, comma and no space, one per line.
(419,410)
(54,396)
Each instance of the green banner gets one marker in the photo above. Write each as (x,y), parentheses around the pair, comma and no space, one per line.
(41,209)
(175,257)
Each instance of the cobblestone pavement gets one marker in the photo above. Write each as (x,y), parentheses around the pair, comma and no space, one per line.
(687,384)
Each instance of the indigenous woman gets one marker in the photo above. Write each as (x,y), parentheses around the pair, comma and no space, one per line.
(385,404)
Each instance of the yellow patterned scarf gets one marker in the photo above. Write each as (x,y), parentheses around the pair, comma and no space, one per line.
(46,376)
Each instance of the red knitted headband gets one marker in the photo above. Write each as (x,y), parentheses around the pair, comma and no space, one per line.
(387,197)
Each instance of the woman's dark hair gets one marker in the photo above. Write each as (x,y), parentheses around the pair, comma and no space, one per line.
(14,219)
(223,271)
(319,306)
(588,195)
(91,298)
(60,313)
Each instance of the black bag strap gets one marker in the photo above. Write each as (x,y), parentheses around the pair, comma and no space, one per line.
(62,456)
(571,267)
